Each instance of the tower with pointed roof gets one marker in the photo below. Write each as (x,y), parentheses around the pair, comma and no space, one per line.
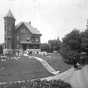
(21,36)
(9,26)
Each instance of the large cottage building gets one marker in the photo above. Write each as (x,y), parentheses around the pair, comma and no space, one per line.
(21,36)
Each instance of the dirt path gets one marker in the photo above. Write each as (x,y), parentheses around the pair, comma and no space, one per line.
(47,66)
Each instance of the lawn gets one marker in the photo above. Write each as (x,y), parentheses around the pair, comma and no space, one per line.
(27,69)
(24,69)
(56,61)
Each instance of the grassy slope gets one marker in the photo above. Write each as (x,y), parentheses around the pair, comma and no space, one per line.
(56,61)
(24,69)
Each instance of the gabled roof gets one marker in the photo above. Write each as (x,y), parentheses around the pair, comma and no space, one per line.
(9,14)
(29,26)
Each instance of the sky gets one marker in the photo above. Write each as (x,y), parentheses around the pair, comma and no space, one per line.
(53,18)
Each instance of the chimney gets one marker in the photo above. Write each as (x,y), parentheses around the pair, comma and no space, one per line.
(87,25)
(29,22)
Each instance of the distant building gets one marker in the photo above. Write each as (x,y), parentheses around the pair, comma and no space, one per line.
(21,36)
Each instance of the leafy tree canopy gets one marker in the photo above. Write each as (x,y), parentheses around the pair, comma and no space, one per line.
(73,44)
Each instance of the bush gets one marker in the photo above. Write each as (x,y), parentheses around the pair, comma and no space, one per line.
(37,84)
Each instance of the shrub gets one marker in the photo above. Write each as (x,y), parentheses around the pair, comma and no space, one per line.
(37,84)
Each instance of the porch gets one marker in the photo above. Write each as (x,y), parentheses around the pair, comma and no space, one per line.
(30,46)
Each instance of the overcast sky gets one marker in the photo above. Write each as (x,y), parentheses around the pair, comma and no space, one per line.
(53,18)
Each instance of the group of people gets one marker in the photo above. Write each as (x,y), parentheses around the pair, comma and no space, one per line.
(35,52)
(80,60)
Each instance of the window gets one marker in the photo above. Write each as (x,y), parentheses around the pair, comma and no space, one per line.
(28,38)
(33,39)
(17,38)
(9,28)
(8,38)
(23,31)
(17,45)
(37,39)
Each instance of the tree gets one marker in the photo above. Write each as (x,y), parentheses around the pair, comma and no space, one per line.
(73,39)
(71,46)
(84,41)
